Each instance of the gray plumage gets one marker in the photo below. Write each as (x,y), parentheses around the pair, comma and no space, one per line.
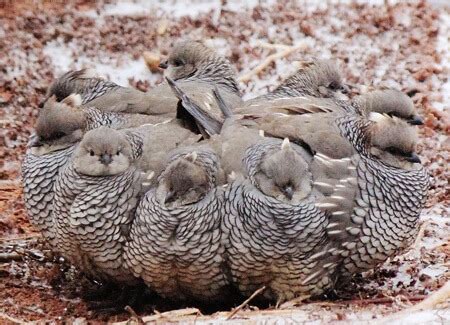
(67,121)
(374,212)
(59,126)
(313,122)
(85,83)
(176,241)
(388,101)
(270,224)
(270,242)
(197,68)
(96,195)
(159,139)
(47,152)
(38,175)
(319,78)
(280,170)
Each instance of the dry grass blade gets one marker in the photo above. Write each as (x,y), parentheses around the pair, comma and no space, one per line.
(294,302)
(271,58)
(167,316)
(254,294)
(440,296)
(10,319)
(134,316)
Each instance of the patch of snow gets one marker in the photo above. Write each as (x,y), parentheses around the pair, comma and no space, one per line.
(65,58)
(443,47)
(434,270)
(174,8)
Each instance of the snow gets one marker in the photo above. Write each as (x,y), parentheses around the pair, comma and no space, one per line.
(119,71)
(444,48)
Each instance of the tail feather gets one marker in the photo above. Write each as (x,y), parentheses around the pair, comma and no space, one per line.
(210,125)
(226,110)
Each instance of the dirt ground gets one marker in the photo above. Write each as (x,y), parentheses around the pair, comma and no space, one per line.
(389,46)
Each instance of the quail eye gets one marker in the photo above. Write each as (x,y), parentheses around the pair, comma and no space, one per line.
(177,63)
(91,152)
(58,135)
(333,85)
(393,114)
(396,151)
(118,152)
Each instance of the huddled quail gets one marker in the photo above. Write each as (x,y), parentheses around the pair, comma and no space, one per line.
(60,125)
(270,237)
(318,78)
(199,192)
(197,68)
(96,195)
(176,239)
(374,211)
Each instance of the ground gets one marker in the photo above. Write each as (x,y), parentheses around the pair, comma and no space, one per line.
(376,43)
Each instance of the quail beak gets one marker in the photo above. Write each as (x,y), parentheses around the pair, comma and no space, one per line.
(170,197)
(413,158)
(415,120)
(345,89)
(42,103)
(288,192)
(105,159)
(163,65)
(34,142)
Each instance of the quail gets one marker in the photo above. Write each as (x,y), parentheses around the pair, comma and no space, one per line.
(312,121)
(176,240)
(270,243)
(69,118)
(96,195)
(280,170)
(319,78)
(59,126)
(374,211)
(196,67)
(47,152)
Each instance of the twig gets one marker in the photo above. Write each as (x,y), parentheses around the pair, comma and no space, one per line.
(30,236)
(257,292)
(386,300)
(273,46)
(421,233)
(13,256)
(271,58)
(166,315)
(436,298)
(293,302)
(134,315)
(429,303)
(11,319)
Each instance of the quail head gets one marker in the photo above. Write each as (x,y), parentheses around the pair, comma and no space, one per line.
(393,141)
(279,171)
(103,152)
(319,78)
(391,102)
(59,125)
(191,60)
(183,181)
